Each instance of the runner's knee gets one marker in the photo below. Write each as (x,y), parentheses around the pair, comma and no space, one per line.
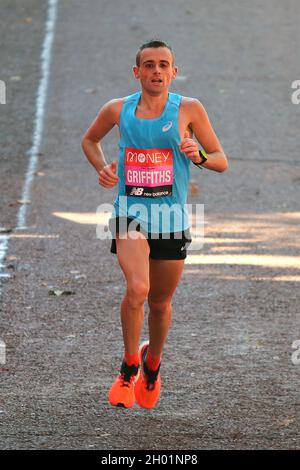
(159,307)
(137,292)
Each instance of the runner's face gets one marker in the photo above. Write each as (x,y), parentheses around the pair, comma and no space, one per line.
(156,70)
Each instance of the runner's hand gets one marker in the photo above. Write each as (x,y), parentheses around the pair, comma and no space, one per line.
(108,177)
(189,147)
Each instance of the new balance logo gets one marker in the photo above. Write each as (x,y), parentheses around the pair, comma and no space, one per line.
(137,191)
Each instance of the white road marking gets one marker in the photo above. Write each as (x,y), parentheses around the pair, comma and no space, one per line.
(45,60)
(3,249)
(40,109)
(181,78)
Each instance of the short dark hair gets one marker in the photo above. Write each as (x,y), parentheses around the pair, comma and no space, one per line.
(152,43)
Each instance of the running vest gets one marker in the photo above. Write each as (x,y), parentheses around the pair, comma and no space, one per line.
(153,173)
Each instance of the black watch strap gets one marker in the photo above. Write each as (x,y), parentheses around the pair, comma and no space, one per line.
(203,156)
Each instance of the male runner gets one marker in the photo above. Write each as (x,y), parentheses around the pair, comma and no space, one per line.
(155,150)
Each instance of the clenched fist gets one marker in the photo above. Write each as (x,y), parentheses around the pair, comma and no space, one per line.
(108,177)
(189,147)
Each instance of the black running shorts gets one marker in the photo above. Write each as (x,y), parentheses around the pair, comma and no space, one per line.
(173,247)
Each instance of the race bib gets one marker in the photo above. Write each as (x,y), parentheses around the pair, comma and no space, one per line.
(148,172)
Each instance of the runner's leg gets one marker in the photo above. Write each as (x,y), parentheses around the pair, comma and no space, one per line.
(133,257)
(164,278)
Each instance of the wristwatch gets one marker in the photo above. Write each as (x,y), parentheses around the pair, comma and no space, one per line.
(203,156)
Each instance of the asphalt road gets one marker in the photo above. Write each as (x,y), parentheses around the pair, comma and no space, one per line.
(229,381)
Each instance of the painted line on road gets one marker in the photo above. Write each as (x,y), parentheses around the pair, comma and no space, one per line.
(3,249)
(45,60)
(40,110)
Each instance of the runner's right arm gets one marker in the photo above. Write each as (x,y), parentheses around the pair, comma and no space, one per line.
(107,118)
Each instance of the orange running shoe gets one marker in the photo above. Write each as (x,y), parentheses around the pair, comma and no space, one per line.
(148,385)
(121,392)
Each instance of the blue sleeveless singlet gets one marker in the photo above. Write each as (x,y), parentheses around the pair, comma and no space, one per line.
(153,173)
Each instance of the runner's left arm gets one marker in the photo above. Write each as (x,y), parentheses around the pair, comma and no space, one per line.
(207,138)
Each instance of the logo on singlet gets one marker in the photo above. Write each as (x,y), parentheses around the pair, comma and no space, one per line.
(136,191)
(167,126)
